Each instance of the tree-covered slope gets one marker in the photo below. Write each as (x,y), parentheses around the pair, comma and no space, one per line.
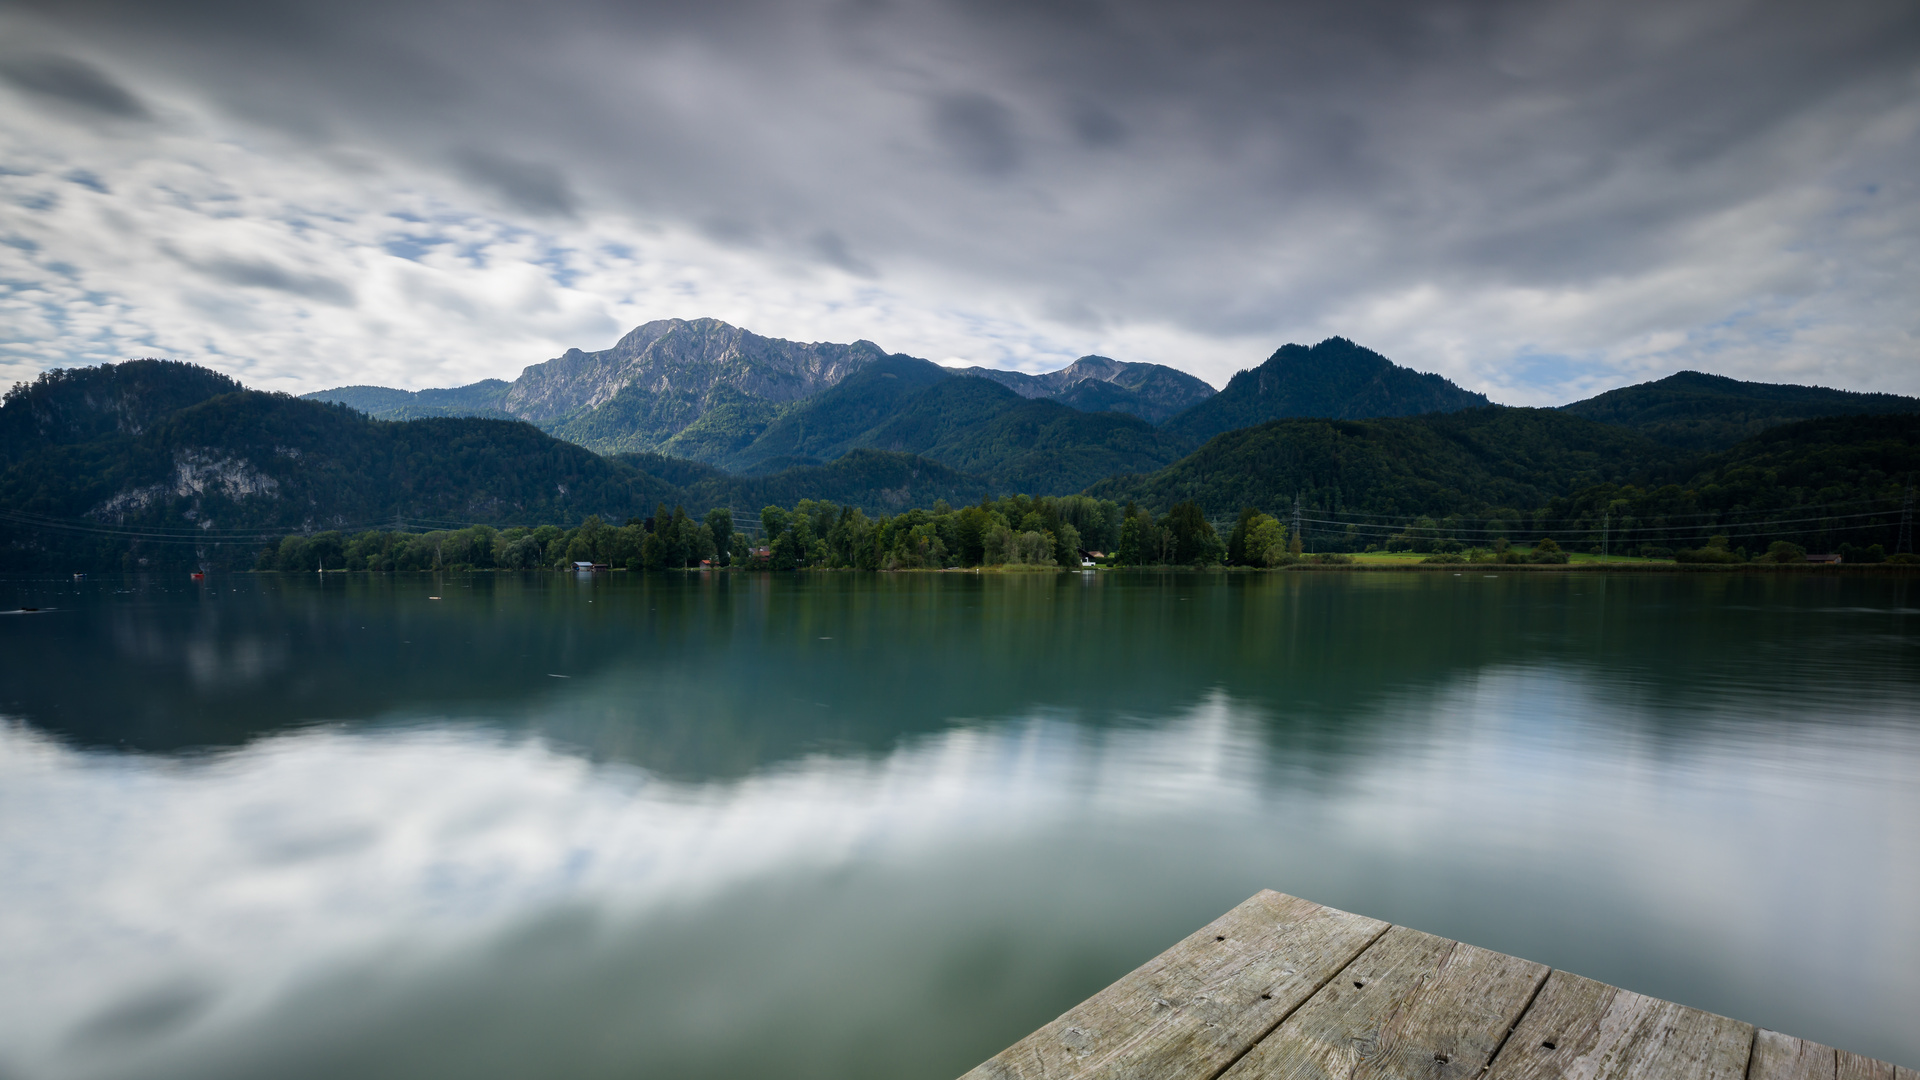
(1711,412)
(731,422)
(825,426)
(1465,462)
(876,481)
(483,398)
(77,405)
(1827,485)
(1033,446)
(1335,380)
(202,480)
(1092,395)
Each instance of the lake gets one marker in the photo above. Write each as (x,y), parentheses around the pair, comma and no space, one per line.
(852,825)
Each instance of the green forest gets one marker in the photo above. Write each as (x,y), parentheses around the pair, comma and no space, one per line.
(1013,532)
(155,465)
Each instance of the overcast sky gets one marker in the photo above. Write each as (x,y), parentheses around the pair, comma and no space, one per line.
(1539,200)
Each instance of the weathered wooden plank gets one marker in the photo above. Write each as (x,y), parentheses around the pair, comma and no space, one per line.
(1412,1005)
(1901,1072)
(1585,1030)
(1783,1057)
(1852,1066)
(1192,1010)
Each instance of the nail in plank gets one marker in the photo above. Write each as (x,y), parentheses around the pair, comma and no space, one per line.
(1411,1006)
(1192,1010)
(1585,1030)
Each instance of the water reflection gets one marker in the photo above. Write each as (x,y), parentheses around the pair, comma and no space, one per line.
(882,827)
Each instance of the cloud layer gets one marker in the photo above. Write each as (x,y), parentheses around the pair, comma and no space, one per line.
(1539,200)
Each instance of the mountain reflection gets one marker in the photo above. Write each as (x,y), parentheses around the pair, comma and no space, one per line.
(854,826)
(720,675)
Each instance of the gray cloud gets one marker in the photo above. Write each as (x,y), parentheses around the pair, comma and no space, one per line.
(979,132)
(1095,126)
(831,248)
(533,186)
(72,82)
(1233,170)
(89,181)
(260,274)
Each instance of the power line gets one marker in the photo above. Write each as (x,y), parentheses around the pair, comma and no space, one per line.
(1906,522)
(1414,524)
(1529,521)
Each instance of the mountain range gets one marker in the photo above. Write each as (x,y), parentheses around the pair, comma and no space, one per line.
(172,460)
(710,392)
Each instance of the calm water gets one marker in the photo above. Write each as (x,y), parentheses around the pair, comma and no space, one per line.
(881,826)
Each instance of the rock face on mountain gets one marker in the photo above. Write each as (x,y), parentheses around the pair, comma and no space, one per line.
(1152,392)
(684,361)
(1698,411)
(1334,380)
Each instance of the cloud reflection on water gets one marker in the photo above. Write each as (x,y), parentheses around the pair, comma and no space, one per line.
(452,899)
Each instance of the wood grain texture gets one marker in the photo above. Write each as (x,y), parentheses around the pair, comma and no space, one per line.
(1901,1072)
(1192,1010)
(1584,1030)
(1783,1057)
(1411,1006)
(1852,1066)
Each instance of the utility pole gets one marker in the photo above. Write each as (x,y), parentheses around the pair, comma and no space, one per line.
(1906,521)
(1303,536)
(1606,523)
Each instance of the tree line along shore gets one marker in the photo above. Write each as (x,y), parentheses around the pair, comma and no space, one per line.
(1015,532)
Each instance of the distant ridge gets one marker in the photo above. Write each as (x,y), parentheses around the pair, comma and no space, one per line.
(1334,380)
(385,403)
(1152,392)
(1697,411)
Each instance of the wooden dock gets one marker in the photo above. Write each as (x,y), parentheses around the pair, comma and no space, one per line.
(1283,987)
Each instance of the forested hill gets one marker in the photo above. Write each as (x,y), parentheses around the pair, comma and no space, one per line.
(1037,447)
(483,398)
(906,405)
(201,485)
(172,464)
(1472,462)
(78,405)
(1711,412)
(1818,483)
(1520,472)
(1334,380)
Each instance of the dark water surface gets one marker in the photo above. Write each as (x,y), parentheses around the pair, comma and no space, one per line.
(882,826)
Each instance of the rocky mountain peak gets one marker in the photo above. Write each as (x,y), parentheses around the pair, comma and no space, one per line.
(688,356)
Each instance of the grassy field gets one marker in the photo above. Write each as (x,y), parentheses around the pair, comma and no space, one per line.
(1406,558)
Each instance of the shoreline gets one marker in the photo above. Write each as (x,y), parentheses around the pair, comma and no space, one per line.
(1894,569)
